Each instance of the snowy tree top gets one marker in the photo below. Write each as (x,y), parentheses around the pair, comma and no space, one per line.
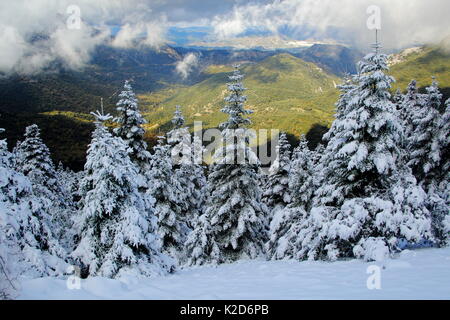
(127,95)
(434,96)
(32,131)
(99,117)
(412,86)
(178,119)
(130,128)
(235,102)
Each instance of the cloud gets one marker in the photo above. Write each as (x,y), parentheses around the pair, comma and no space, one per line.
(403,22)
(12,47)
(184,67)
(33,34)
(149,34)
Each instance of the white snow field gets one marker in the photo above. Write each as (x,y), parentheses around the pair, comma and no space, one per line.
(418,274)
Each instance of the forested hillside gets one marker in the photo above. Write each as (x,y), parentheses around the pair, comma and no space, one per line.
(285,92)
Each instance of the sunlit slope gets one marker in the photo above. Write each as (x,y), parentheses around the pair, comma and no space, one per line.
(284,92)
(432,61)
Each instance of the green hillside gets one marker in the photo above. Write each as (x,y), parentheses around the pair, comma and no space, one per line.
(283,91)
(432,61)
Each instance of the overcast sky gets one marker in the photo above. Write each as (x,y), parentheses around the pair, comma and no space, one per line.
(403,23)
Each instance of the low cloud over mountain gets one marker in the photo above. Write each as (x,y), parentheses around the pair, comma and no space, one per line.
(35,34)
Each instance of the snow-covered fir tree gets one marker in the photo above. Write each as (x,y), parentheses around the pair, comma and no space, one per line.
(397,99)
(178,119)
(363,145)
(32,158)
(428,142)
(442,172)
(369,199)
(71,182)
(130,128)
(117,230)
(201,246)
(71,192)
(426,129)
(198,174)
(13,186)
(170,206)
(409,106)
(276,190)
(187,162)
(347,92)
(277,195)
(47,229)
(8,256)
(437,179)
(233,225)
(34,161)
(423,145)
(303,181)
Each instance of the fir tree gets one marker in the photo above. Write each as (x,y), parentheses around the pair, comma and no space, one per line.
(426,133)
(34,161)
(12,187)
(32,158)
(130,128)
(438,177)
(45,229)
(276,190)
(169,206)
(277,196)
(368,200)
(410,105)
(363,149)
(71,182)
(187,160)
(117,229)
(235,102)
(198,177)
(233,225)
(302,180)
(201,247)
(425,151)
(178,119)
(302,184)
(398,98)
(347,93)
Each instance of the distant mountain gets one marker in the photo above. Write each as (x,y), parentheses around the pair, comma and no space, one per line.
(184,36)
(421,65)
(256,42)
(402,56)
(290,91)
(80,91)
(60,100)
(151,70)
(337,59)
(285,92)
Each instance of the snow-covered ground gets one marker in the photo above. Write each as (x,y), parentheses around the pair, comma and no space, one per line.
(419,274)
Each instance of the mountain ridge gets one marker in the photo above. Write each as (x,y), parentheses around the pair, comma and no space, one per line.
(278,85)
(284,89)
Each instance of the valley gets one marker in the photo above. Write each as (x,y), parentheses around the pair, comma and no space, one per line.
(293,90)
